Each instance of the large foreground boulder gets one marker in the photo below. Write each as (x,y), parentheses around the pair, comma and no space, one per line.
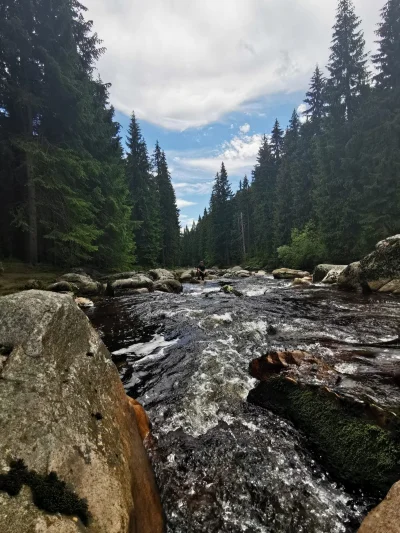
(71,455)
(289,273)
(386,517)
(350,278)
(332,276)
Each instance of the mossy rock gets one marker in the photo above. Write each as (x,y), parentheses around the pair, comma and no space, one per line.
(352,446)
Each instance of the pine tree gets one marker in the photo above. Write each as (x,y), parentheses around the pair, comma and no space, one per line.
(169,214)
(315,98)
(144,197)
(387,60)
(347,63)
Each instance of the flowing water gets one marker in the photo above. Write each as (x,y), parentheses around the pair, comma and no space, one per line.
(222,464)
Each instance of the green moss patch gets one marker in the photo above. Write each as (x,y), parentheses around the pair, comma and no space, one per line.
(352,447)
(49,493)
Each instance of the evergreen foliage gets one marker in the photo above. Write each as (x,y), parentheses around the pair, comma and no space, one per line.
(329,188)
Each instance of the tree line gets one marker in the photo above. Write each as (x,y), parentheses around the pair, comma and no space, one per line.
(69,193)
(328,188)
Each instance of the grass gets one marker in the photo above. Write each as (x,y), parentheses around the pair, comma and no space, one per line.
(17,274)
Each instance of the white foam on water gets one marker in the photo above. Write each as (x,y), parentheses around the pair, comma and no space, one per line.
(154,348)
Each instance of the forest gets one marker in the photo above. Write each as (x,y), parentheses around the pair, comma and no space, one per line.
(326,189)
(69,192)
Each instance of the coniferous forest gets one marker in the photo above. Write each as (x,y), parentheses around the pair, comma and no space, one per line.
(326,189)
(69,194)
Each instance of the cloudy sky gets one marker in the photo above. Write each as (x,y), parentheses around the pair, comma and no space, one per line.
(208,77)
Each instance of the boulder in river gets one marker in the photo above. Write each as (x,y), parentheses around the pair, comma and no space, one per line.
(159,274)
(386,517)
(129,284)
(322,270)
(289,273)
(168,285)
(301,282)
(365,452)
(83,302)
(332,276)
(350,277)
(82,284)
(71,455)
(378,271)
(228,289)
(187,275)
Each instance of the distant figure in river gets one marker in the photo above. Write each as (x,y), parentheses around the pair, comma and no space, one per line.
(201,271)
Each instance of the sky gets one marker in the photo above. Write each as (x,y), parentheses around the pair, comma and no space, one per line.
(207,78)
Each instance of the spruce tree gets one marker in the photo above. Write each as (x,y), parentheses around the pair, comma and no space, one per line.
(221,218)
(315,98)
(347,63)
(169,214)
(144,198)
(277,142)
(387,60)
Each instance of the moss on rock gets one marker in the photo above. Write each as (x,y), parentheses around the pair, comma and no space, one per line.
(352,446)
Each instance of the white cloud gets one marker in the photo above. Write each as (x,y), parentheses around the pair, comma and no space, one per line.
(300,111)
(177,66)
(245,128)
(184,203)
(201,188)
(239,155)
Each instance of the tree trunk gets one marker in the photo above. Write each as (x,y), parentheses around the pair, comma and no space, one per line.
(32,213)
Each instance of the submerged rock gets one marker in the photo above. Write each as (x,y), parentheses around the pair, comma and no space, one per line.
(67,428)
(289,273)
(228,289)
(386,517)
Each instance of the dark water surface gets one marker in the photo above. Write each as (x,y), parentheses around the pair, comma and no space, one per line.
(222,464)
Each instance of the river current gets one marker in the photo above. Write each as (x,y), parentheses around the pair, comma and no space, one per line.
(222,464)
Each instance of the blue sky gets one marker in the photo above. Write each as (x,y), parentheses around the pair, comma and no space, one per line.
(207,78)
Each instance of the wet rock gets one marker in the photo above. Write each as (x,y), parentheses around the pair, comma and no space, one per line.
(142,418)
(302,282)
(62,286)
(393,286)
(64,410)
(236,269)
(332,276)
(228,289)
(289,273)
(386,517)
(243,274)
(211,277)
(322,270)
(168,285)
(275,362)
(362,454)
(135,283)
(160,274)
(82,285)
(84,302)
(187,275)
(34,284)
(260,273)
(120,275)
(350,277)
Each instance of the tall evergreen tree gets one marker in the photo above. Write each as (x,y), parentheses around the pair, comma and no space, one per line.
(221,218)
(387,60)
(144,197)
(277,141)
(347,63)
(315,98)
(169,214)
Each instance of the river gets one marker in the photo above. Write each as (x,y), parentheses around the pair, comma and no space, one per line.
(222,464)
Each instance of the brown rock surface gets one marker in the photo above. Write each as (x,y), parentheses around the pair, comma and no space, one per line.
(142,419)
(386,517)
(64,409)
